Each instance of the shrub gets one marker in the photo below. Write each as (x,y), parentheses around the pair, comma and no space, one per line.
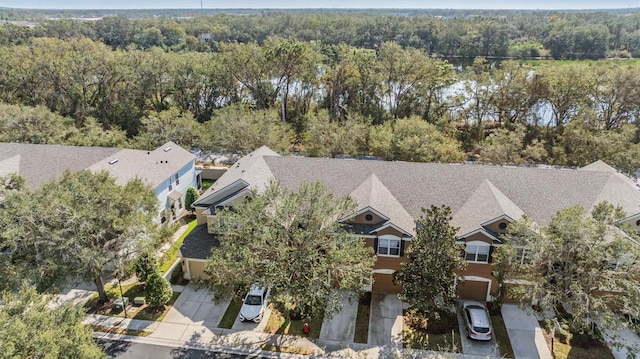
(145,266)
(562,335)
(190,197)
(176,274)
(157,290)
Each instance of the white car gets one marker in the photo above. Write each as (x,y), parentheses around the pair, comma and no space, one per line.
(476,320)
(254,304)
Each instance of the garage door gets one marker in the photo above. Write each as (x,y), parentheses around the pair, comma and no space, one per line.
(475,290)
(383,283)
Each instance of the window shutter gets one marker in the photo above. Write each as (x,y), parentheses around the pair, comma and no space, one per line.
(490,254)
(401,247)
(375,245)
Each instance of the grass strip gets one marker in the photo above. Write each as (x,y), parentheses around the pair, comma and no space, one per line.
(361,334)
(116,330)
(170,256)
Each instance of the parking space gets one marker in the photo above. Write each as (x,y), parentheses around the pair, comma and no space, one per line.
(385,321)
(252,326)
(342,325)
(196,307)
(527,339)
(486,349)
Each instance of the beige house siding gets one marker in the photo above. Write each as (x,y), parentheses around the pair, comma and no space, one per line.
(361,218)
(495,226)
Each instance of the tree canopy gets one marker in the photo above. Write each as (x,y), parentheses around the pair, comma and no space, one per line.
(32,328)
(292,243)
(76,226)
(428,279)
(577,264)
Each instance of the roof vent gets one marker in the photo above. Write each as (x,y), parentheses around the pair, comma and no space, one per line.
(167,149)
(113,161)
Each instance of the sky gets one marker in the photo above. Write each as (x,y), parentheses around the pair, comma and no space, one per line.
(340,4)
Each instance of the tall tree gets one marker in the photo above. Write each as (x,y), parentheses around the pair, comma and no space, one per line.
(428,279)
(576,264)
(77,226)
(32,328)
(292,243)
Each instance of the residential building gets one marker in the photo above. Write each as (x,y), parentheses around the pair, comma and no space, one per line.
(169,169)
(484,200)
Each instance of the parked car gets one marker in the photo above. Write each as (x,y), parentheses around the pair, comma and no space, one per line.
(254,304)
(476,320)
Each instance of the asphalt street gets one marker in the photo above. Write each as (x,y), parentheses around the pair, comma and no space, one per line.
(127,350)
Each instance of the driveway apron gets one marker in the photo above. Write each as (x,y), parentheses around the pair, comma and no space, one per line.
(385,321)
(196,307)
(527,339)
(342,325)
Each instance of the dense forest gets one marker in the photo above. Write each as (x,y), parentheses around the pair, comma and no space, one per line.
(329,84)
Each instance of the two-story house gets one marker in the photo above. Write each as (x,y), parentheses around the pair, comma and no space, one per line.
(390,195)
(168,169)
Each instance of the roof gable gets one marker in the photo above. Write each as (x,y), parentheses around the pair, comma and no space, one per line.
(486,203)
(372,193)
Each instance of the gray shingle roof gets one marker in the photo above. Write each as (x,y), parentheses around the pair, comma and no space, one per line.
(538,192)
(39,164)
(153,167)
(198,243)
(486,202)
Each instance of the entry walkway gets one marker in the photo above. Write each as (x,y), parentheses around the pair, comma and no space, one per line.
(525,334)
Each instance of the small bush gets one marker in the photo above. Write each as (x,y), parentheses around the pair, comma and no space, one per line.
(145,266)
(157,290)
(563,335)
(176,274)
(547,324)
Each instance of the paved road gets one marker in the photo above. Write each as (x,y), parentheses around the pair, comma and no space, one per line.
(127,350)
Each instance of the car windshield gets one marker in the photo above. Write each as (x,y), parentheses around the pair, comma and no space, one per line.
(480,330)
(253,300)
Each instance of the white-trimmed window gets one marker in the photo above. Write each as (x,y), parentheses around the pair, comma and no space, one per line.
(477,251)
(389,245)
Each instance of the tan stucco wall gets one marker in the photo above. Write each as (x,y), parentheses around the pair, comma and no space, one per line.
(196,269)
(201,218)
(391,231)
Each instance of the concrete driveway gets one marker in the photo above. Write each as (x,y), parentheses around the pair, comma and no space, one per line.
(252,326)
(342,326)
(484,349)
(385,321)
(196,306)
(525,334)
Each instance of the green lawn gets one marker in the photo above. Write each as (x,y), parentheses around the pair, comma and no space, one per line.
(278,324)
(206,184)
(502,337)
(170,256)
(443,335)
(362,319)
(231,314)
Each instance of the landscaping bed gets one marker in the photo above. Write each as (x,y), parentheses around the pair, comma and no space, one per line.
(362,319)
(279,324)
(500,332)
(440,335)
(568,345)
(131,291)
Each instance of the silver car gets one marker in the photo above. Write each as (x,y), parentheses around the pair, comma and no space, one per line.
(476,320)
